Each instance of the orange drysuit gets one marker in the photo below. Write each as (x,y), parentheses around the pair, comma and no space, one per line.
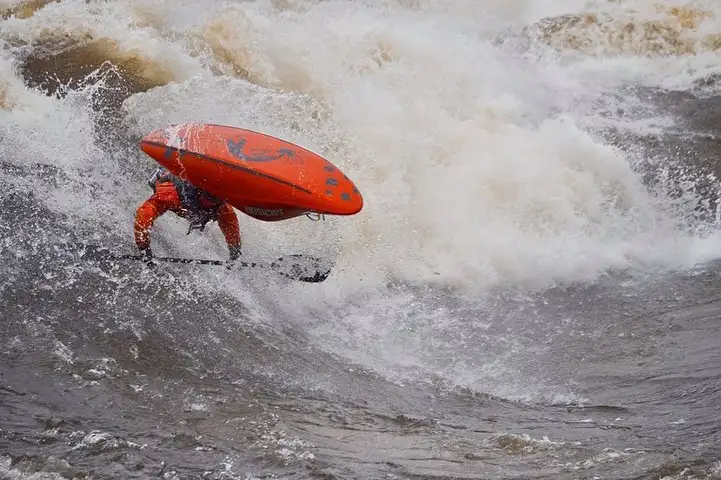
(166,198)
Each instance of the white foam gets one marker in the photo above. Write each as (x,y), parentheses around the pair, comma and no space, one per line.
(454,148)
(75,21)
(477,162)
(665,44)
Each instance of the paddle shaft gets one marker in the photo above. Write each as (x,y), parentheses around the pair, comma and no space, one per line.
(181,260)
(315,278)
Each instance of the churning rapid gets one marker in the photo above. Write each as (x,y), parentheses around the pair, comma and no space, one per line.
(531,289)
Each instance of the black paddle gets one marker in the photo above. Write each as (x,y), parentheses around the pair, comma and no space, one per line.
(304,268)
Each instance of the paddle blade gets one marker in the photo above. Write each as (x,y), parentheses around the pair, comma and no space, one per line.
(304,268)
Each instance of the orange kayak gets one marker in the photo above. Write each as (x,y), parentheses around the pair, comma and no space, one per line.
(265,177)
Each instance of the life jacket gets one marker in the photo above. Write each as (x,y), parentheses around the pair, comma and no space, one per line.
(200,206)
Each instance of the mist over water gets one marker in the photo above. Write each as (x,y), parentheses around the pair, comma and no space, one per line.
(529,290)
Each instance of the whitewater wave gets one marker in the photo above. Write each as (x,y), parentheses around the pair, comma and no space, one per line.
(535,198)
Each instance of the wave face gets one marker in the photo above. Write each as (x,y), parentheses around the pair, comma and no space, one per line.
(528,292)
